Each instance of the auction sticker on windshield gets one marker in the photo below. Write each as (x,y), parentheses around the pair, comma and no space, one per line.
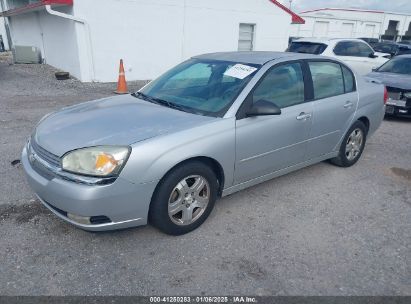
(240,71)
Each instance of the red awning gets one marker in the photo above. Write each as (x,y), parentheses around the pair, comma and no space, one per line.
(294,17)
(34,7)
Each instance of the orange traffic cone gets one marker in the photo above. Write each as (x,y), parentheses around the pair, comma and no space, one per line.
(122,84)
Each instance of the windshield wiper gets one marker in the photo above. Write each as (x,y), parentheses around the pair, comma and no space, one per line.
(160,102)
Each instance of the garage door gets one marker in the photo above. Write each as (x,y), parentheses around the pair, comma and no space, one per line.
(369,30)
(321,29)
(347,30)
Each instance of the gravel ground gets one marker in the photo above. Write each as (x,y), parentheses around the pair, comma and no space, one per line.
(320,231)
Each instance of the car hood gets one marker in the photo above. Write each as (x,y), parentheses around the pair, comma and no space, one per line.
(121,120)
(379,54)
(399,81)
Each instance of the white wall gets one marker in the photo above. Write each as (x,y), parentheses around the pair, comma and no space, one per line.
(338,23)
(360,19)
(154,35)
(54,36)
(3,33)
(150,35)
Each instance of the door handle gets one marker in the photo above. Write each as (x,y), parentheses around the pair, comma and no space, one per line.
(348,105)
(303,116)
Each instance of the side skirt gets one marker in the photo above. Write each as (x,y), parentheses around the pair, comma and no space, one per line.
(272,175)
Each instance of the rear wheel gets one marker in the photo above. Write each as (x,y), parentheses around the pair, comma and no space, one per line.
(352,145)
(184,198)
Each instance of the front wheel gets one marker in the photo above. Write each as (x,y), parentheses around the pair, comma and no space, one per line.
(184,198)
(352,145)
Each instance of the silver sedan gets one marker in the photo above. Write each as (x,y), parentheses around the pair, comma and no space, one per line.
(209,127)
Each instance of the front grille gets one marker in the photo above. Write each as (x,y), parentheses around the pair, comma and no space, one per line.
(43,171)
(49,157)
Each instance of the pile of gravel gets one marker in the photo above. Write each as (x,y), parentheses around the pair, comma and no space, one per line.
(45,82)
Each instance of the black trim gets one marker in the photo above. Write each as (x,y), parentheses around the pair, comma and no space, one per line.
(308,81)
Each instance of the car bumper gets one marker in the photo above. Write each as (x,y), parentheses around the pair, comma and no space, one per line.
(119,205)
(392,109)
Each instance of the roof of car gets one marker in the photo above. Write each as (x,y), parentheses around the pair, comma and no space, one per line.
(403,56)
(326,40)
(394,43)
(252,57)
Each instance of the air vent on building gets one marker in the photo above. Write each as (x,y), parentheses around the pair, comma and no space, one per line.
(26,54)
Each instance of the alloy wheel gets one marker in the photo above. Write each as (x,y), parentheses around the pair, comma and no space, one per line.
(188,200)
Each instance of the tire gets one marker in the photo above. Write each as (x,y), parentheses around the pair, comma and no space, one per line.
(348,157)
(174,200)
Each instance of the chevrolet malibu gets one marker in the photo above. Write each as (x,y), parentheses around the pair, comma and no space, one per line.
(209,127)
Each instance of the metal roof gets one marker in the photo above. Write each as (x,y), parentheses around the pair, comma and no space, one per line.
(34,6)
(37,5)
(294,17)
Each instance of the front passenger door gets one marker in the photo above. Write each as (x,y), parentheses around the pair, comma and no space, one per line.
(265,144)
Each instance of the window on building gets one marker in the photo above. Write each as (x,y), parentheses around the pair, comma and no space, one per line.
(407,36)
(282,85)
(327,79)
(391,32)
(246,37)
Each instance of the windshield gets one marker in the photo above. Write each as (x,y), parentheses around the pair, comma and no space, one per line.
(397,65)
(307,47)
(206,87)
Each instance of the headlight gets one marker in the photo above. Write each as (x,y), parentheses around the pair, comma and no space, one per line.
(96,161)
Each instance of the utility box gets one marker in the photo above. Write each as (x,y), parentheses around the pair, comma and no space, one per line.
(26,54)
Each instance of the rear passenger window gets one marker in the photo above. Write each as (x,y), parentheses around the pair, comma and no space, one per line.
(327,79)
(283,85)
(349,80)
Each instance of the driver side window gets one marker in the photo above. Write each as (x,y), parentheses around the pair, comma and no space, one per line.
(282,85)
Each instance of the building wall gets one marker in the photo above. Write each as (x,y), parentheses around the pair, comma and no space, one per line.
(55,37)
(364,23)
(3,33)
(154,35)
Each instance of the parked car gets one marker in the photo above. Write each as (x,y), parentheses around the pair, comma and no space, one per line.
(211,126)
(396,75)
(371,41)
(2,49)
(354,52)
(393,48)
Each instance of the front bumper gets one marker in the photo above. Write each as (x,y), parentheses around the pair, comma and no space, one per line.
(123,203)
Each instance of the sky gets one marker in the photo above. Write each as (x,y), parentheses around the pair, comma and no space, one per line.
(401,6)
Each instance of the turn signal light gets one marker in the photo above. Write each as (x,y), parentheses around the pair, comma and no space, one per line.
(105,163)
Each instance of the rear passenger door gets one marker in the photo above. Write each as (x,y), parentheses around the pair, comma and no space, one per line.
(335,102)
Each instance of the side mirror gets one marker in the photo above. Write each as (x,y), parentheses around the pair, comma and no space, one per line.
(374,69)
(263,108)
(372,55)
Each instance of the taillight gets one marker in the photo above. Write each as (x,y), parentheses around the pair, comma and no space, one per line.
(385,95)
